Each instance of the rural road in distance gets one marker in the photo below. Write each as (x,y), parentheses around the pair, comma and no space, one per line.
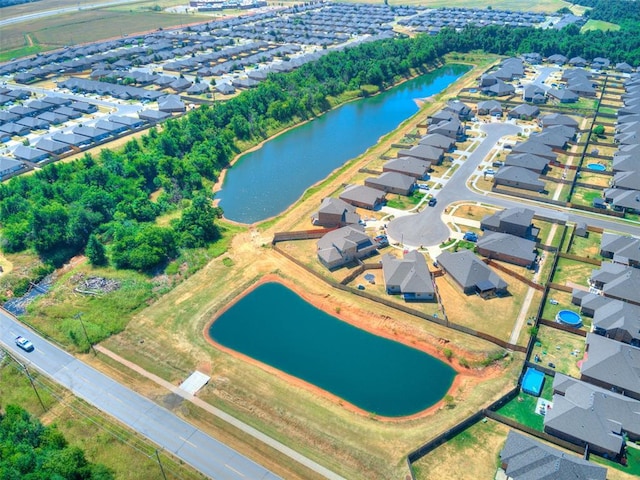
(48,13)
(207,455)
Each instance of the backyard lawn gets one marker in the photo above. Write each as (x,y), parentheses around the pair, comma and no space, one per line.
(523,408)
(588,246)
(571,271)
(563,349)
(617,471)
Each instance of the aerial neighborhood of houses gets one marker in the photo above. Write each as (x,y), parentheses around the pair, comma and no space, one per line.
(508,212)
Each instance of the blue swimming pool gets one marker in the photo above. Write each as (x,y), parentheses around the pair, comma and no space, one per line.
(569,318)
(596,167)
(532,382)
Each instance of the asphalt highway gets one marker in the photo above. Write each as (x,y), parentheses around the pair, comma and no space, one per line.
(207,455)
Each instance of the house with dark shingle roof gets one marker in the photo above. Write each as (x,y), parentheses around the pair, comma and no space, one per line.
(508,248)
(620,248)
(558,119)
(612,365)
(524,458)
(438,140)
(392,182)
(427,153)
(334,212)
(414,167)
(409,277)
(585,414)
(51,146)
(618,320)
(518,177)
(344,245)
(363,196)
(471,274)
(535,148)
(9,165)
(30,154)
(459,108)
(490,107)
(514,221)
(562,95)
(529,161)
(524,112)
(450,128)
(617,281)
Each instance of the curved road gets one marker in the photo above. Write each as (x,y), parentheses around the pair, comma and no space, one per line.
(426,228)
(207,455)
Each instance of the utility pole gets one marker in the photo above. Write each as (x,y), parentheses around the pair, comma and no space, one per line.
(160,463)
(33,385)
(79,317)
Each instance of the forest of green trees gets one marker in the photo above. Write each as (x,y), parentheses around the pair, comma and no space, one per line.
(29,450)
(104,202)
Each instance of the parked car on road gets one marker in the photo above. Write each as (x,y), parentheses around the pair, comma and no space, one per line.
(433,201)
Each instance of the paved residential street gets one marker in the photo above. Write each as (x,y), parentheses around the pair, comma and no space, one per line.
(209,456)
(427,228)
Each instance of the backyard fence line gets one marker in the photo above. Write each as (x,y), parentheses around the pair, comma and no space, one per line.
(547,371)
(590,186)
(560,326)
(602,211)
(579,258)
(513,274)
(300,235)
(497,189)
(535,433)
(559,286)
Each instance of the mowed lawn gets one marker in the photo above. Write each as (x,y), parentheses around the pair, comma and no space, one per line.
(472,454)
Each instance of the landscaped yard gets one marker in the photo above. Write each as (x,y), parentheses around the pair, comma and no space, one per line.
(473,453)
(563,349)
(523,408)
(585,196)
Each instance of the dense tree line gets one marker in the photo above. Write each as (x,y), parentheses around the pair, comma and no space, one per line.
(107,199)
(29,450)
(9,3)
(626,12)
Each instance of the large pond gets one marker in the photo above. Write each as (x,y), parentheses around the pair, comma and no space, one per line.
(265,182)
(274,325)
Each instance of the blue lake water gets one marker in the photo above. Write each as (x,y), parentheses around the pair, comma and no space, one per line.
(274,325)
(265,182)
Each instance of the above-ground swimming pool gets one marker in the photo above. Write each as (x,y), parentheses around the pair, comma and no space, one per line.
(569,318)
(597,167)
(532,382)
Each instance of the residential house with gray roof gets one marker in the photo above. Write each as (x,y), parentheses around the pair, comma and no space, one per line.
(533,93)
(562,95)
(413,167)
(409,277)
(535,148)
(9,166)
(619,321)
(620,248)
(471,274)
(427,153)
(617,281)
(459,108)
(363,196)
(524,112)
(451,128)
(490,107)
(623,200)
(51,146)
(588,302)
(558,119)
(334,212)
(514,221)
(508,248)
(30,154)
(392,182)
(524,458)
(612,365)
(529,161)
(626,180)
(585,414)
(71,139)
(344,245)
(517,177)
(550,138)
(438,140)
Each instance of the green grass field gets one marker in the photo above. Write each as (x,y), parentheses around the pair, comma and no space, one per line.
(522,408)
(599,25)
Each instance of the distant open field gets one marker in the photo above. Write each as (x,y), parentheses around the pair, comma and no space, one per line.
(87,26)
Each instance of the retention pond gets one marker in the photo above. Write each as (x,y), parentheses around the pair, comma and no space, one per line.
(266,181)
(275,326)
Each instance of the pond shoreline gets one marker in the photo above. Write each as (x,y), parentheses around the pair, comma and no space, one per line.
(463,376)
